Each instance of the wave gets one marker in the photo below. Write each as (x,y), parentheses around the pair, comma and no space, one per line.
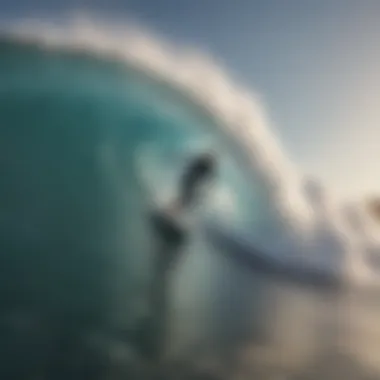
(317,226)
(304,219)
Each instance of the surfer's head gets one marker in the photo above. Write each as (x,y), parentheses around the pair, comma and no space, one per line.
(199,169)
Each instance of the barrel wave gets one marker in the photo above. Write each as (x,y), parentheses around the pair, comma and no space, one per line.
(95,129)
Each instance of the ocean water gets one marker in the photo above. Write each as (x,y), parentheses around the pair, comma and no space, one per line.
(96,126)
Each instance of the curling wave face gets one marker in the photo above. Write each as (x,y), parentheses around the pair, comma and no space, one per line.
(95,127)
(230,113)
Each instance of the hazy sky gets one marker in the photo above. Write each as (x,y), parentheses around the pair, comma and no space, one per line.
(316,64)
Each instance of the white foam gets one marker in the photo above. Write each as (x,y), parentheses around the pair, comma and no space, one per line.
(320,228)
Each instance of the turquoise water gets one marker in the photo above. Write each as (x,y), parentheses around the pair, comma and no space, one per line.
(88,146)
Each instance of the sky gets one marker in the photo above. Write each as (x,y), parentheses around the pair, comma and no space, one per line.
(315,64)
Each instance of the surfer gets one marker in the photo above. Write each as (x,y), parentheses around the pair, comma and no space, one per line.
(166,222)
(170,236)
